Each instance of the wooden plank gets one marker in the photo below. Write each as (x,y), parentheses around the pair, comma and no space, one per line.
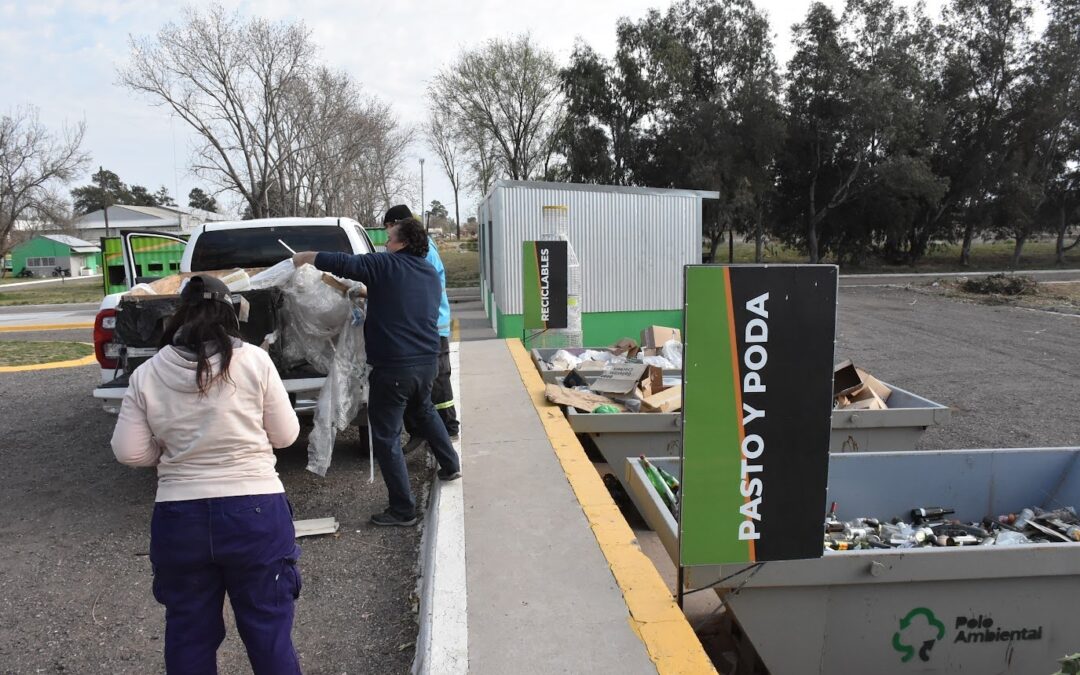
(315,526)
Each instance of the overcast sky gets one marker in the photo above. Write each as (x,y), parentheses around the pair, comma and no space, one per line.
(61,56)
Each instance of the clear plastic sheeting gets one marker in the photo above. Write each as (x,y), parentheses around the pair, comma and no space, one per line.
(316,313)
(324,328)
(343,392)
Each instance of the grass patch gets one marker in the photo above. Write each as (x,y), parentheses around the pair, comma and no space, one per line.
(985,256)
(17,353)
(462,267)
(88,290)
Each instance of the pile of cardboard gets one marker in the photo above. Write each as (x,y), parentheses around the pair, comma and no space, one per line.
(626,386)
(856,389)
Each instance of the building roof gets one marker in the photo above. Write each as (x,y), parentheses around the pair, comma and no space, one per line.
(589,187)
(74,243)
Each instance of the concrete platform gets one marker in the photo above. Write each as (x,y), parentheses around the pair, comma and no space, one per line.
(528,566)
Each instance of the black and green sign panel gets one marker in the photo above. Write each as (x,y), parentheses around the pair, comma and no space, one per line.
(757,407)
(543,284)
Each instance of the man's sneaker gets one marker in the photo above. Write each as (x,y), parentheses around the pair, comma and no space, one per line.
(414,443)
(390,519)
(449,475)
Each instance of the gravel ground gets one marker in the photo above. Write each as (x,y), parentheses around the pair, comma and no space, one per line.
(1009,374)
(75,574)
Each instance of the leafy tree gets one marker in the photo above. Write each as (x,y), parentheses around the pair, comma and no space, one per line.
(197,199)
(163,198)
(437,210)
(105,189)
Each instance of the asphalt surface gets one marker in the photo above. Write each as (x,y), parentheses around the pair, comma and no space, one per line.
(74,569)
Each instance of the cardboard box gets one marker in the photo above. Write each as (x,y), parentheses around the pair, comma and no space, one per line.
(875,384)
(846,378)
(865,399)
(619,379)
(654,338)
(669,400)
(625,346)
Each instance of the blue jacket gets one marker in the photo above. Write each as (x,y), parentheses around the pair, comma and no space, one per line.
(403,304)
(444,304)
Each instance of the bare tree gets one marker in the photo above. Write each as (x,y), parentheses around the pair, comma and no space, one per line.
(34,161)
(509,91)
(287,135)
(449,147)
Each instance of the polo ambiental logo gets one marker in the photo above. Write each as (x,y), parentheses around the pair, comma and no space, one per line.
(910,631)
(920,630)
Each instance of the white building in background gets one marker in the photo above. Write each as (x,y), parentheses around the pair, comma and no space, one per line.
(91,226)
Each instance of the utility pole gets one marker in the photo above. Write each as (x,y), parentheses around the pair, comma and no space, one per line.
(101,172)
(423,209)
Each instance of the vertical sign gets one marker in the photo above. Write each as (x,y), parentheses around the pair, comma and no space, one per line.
(757,410)
(543,284)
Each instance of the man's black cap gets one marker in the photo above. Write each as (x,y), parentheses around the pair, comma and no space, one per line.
(396,213)
(205,287)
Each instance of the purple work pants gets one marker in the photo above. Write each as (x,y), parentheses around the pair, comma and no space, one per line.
(202,549)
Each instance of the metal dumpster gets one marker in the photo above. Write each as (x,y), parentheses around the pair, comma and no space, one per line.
(978,609)
(898,428)
(541,356)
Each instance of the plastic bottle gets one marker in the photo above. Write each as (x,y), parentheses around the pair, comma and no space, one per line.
(556,226)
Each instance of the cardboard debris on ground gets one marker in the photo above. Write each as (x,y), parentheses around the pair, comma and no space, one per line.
(669,400)
(653,339)
(653,382)
(583,401)
(315,526)
(856,389)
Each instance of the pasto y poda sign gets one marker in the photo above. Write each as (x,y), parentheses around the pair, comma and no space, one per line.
(757,409)
(544,284)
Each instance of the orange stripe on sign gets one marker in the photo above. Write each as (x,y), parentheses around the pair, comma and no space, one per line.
(737,384)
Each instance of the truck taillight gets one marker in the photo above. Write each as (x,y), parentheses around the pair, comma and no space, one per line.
(104,349)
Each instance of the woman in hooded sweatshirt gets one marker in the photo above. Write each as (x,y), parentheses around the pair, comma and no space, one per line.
(208,410)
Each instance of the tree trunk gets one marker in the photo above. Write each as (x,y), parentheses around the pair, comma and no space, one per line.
(457,214)
(965,248)
(1059,249)
(759,235)
(731,244)
(714,243)
(1017,249)
(812,242)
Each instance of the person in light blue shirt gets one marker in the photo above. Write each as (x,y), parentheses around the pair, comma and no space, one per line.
(442,392)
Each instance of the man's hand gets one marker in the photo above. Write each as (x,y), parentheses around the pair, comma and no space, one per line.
(304,258)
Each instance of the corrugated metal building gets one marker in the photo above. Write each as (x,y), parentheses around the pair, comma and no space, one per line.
(632,244)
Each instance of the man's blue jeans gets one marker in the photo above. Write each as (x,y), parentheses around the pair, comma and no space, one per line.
(392,391)
(202,549)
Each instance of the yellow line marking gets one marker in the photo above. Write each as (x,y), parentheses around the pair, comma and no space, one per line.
(654,615)
(454,333)
(45,326)
(73,363)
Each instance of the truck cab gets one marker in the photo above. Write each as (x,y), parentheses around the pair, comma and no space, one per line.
(247,244)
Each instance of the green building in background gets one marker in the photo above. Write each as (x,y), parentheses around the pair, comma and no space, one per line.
(43,253)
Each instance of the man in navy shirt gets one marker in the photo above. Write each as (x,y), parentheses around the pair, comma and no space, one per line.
(403,349)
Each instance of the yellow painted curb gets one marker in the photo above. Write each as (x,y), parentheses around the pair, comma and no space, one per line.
(45,326)
(73,363)
(654,615)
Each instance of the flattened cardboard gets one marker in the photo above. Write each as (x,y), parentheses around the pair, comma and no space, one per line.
(583,401)
(669,400)
(619,379)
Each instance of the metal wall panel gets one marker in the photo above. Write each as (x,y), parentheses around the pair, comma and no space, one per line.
(632,243)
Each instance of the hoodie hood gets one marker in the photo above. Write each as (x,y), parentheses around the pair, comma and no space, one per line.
(176,367)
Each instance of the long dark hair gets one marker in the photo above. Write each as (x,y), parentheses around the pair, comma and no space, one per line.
(206,327)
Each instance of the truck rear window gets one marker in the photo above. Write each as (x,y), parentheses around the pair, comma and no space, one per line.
(259,247)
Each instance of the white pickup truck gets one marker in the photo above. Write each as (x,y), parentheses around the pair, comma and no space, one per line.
(247,244)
